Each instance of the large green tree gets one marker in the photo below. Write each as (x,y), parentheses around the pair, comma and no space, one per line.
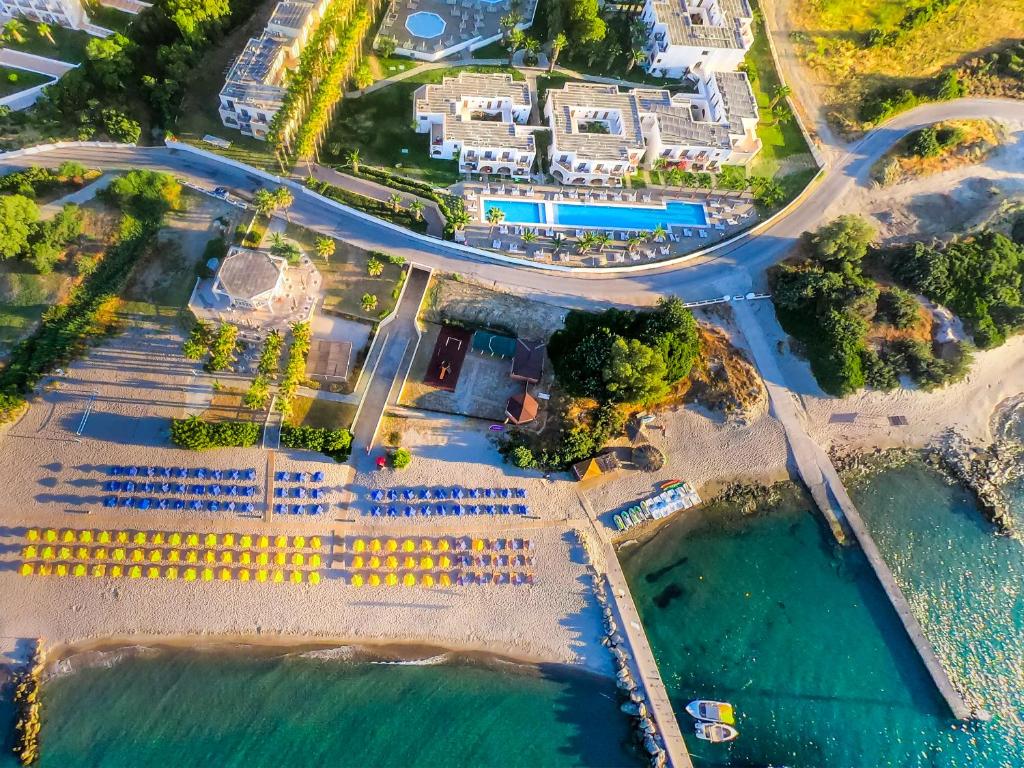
(195,18)
(634,372)
(18,215)
(846,239)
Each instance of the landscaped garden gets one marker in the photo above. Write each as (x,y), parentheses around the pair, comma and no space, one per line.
(16,80)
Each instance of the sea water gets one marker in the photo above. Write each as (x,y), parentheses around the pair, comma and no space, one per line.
(767,612)
(182,709)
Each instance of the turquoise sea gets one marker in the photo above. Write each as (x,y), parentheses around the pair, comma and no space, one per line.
(186,709)
(767,612)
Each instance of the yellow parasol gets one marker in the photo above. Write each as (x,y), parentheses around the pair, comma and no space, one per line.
(410,562)
(478,545)
(174,539)
(61,569)
(409,580)
(135,572)
(192,540)
(29,553)
(445,580)
(375,545)
(373,580)
(228,539)
(244,575)
(225,574)
(427,580)
(118,553)
(299,542)
(281,541)
(280,558)
(427,563)
(174,556)
(99,570)
(426,545)
(207,574)
(139,537)
(408,545)
(357,561)
(152,572)
(264,542)
(82,553)
(314,542)
(68,537)
(444,561)
(155,556)
(374,561)
(278,577)
(64,553)
(210,556)
(391,545)
(171,573)
(27,569)
(261,575)
(210,540)
(314,578)
(85,537)
(443,545)
(245,541)
(138,555)
(45,569)
(191,556)
(32,534)
(391,562)
(245,558)
(79,570)
(48,553)
(357,580)
(190,574)
(298,559)
(123,537)
(358,545)
(158,538)
(262,558)
(391,579)
(51,535)
(295,577)
(116,571)
(227,557)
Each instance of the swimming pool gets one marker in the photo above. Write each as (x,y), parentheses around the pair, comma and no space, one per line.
(424,24)
(590,216)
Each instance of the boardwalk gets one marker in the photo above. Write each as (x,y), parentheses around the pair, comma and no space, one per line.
(646,666)
(820,476)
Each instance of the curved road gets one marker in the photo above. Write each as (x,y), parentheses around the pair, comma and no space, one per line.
(732,269)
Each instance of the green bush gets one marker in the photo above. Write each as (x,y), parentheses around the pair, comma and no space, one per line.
(401,458)
(898,308)
(195,434)
(522,457)
(336,443)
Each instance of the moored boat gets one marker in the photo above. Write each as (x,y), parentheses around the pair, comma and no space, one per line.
(716,711)
(716,733)
(619,524)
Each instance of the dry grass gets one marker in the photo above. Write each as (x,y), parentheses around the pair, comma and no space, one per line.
(830,39)
(900,164)
(314,412)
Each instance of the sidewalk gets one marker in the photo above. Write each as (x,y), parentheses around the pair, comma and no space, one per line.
(83,195)
(33,63)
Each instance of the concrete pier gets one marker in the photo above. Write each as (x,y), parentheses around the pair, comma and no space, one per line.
(645,666)
(820,476)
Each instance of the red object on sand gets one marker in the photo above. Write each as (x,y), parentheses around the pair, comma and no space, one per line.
(381,461)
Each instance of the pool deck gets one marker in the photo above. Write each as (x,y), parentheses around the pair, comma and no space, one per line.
(726,214)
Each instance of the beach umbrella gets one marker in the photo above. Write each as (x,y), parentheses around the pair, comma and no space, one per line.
(225,574)
(210,556)
(245,541)
(27,569)
(478,545)
(410,562)
(207,574)
(409,580)
(392,494)
(281,541)
(391,579)
(358,545)
(156,556)
(443,545)
(261,575)
(227,557)
(195,504)
(86,537)
(158,538)
(474,493)
(408,494)
(152,572)
(68,537)
(318,476)
(424,494)
(79,570)
(48,553)
(245,558)
(314,578)
(426,563)
(248,507)
(45,569)
(357,580)
(299,542)
(99,570)
(298,559)
(50,535)
(280,558)
(138,555)
(244,575)
(391,562)
(190,574)
(213,506)
(210,540)
(174,556)
(445,580)
(408,545)
(191,556)
(427,580)
(99,553)
(457,493)
(228,540)
(192,540)
(264,542)
(119,553)
(374,561)
(135,572)
(391,545)
(61,569)
(373,580)
(408,511)
(32,534)
(314,542)
(357,561)
(103,537)
(375,545)
(171,572)
(377,495)
(262,558)
(315,561)
(444,561)
(29,553)
(295,577)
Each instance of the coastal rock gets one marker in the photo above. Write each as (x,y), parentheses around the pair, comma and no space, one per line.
(631,708)
(660,759)
(983,472)
(651,745)
(748,497)
(647,725)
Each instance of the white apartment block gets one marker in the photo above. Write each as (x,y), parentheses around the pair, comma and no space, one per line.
(702,131)
(255,87)
(596,137)
(696,36)
(480,119)
(64,13)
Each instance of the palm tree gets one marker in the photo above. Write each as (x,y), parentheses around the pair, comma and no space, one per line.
(532,47)
(508,22)
(46,31)
(529,237)
(416,209)
(458,218)
(283,199)
(558,241)
(516,39)
(263,201)
(636,55)
(659,233)
(634,242)
(277,242)
(15,29)
(587,241)
(395,201)
(557,45)
(778,94)
(325,247)
(601,240)
(494,217)
(352,158)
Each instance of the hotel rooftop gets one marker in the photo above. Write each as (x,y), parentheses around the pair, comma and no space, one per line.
(687,25)
(253,79)
(680,120)
(580,103)
(458,98)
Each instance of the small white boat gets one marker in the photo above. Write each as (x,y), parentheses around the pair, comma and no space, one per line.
(716,711)
(716,733)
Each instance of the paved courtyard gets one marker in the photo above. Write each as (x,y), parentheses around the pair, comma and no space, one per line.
(433,29)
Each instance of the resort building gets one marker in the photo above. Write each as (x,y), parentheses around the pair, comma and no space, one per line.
(696,36)
(596,137)
(64,13)
(250,279)
(701,131)
(479,119)
(254,89)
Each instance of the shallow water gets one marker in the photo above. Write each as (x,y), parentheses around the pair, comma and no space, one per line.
(767,612)
(186,709)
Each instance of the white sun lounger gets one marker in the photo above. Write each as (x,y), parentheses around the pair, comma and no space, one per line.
(702,232)
(687,233)
(496,245)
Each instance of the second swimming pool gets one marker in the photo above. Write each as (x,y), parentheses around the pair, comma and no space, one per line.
(591,216)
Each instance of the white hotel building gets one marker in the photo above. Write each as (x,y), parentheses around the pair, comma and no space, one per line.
(64,13)
(481,120)
(696,36)
(596,136)
(255,88)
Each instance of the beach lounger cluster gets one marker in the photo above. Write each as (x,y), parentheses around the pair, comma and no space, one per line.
(172,555)
(298,477)
(444,561)
(182,473)
(442,501)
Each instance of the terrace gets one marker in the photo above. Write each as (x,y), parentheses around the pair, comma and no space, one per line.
(432,29)
(579,226)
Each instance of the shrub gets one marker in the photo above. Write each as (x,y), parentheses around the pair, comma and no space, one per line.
(336,443)
(198,342)
(222,347)
(926,143)
(374,267)
(195,434)
(898,308)
(368,302)
(401,458)
(522,457)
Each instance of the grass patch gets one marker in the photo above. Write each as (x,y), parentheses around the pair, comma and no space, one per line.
(15,80)
(68,44)
(111,18)
(24,296)
(321,414)
(380,126)
(388,66)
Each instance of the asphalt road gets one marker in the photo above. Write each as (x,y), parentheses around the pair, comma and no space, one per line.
(734,268)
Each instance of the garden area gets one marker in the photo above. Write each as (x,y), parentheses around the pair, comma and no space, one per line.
(16,80)
(48,40)
(380,126)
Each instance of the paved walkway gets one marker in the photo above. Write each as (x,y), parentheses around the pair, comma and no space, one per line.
(375,191)
(33,63)
(83,195)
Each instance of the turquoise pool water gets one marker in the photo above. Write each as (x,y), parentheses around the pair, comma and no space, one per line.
(424,24)
(767,612)
(591,216)
(181,709)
